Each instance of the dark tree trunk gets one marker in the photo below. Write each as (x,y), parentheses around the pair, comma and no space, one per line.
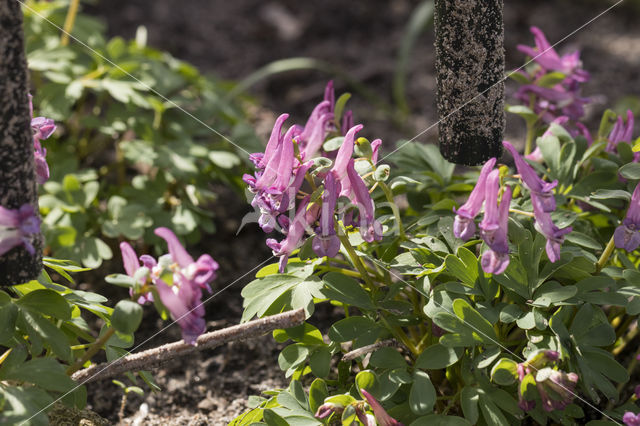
(17,173)
(470,72)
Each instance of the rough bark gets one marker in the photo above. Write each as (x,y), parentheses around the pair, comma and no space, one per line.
(470,74)
(17,168)
(155,357)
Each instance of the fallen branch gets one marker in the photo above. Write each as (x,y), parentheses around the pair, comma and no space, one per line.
(350,356)
(155,357)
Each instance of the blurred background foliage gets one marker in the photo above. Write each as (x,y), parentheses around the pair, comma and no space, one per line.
(135,147)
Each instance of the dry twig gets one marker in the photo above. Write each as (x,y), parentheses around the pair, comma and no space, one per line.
(157,356)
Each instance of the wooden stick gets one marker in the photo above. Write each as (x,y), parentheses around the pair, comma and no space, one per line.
(17,166)
(470,75)
(350,356)
(157,356)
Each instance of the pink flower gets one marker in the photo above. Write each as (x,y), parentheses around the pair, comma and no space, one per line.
(463,225)
(626,236)
(183,298)
(379,412)
(42,128)
(16,227)
(494,226)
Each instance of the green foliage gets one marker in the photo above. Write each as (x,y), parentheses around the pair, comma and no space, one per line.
(139,138)
(465,335)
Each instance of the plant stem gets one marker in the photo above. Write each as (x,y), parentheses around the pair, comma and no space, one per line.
(628,338)
(529,140)
(521,212)
(69,21)
(605,255)
(95,347)
(394,208)
(357,262)
(343,271)
(400,335)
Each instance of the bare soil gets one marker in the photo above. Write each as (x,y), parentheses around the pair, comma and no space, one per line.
(231,39)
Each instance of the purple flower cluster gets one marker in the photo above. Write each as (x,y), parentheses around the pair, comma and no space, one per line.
(622,132)
(556,388)
(563,98)
(494,225)
(283,169)
(178,280)
(627,235)
(543,202)
(42,128)
(631,419)
(16,225)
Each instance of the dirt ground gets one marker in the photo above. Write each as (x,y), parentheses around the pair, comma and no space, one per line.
(233,38)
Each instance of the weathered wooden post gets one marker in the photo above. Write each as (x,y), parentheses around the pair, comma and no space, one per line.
(17,174)
(470,73)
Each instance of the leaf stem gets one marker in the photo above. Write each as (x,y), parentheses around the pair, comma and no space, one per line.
(605,255)
(400,335)
(69,21)
(394,208)
(357,262)
(95,347)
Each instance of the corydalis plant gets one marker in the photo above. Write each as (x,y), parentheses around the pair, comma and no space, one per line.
(298,182)
(494,226)
(558,95)
(177,280)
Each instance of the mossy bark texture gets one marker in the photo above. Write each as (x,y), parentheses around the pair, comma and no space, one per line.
(17,168)
(470,73)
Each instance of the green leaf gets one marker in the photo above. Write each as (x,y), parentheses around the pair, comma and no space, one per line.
(464,266)
(341,102)
(346,290)
(437,356)
(318,392)
(126,316)
(271,418)
(630,171)
(590,327)
(552,292)
(440,420)
(46,373)
(505,372)
(121,280)
(491,413)
(486,358)
(352,328)
(608,194)
(224,159)
(368,380)
(469,398)
(320,362)
(46,302)
(51,334)
(305,333)
(422,396)
(8,315)
(551,79)
(387,357)
(583,240)
(333,144)
(482,329)
(526,113)
(292,356)
(606,123)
